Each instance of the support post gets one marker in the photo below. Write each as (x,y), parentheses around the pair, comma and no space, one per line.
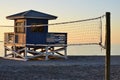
(14,49)
(108,47)
(46,53)
(25,54)
(65,52)
(5,51)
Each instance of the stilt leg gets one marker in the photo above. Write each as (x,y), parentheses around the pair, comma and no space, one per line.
(46,53)
(25,54)
(14,49)
(65,52)
(5,51)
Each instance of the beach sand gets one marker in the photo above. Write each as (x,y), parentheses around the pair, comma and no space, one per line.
(73,68)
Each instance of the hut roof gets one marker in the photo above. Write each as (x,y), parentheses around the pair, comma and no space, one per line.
(31,14)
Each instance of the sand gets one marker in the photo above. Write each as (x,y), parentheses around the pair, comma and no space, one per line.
(74,68)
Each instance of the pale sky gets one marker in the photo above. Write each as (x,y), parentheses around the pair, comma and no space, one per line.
(66,10)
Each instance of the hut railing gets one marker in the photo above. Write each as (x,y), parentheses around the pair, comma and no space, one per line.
(14,38)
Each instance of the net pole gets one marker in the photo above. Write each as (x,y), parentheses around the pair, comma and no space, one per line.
(108,47)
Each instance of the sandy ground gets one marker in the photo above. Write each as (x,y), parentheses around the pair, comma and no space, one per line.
(74,68)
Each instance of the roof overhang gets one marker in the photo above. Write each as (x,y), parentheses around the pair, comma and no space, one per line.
(22,17)
(31,14)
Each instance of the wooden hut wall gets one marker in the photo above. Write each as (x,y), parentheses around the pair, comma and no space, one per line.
(36,35)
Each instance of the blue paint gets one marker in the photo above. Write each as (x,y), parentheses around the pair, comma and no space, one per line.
(36,37)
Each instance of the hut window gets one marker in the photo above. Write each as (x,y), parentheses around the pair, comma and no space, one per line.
(19,24)
(37,28)
(19,27)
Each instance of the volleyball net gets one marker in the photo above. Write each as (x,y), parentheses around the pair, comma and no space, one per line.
(80,32)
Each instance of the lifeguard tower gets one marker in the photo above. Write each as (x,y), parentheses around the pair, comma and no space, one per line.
(31,38)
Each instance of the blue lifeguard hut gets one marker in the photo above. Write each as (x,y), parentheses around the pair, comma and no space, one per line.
(31,36)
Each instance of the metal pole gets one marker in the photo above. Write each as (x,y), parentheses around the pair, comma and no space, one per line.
(108,47)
